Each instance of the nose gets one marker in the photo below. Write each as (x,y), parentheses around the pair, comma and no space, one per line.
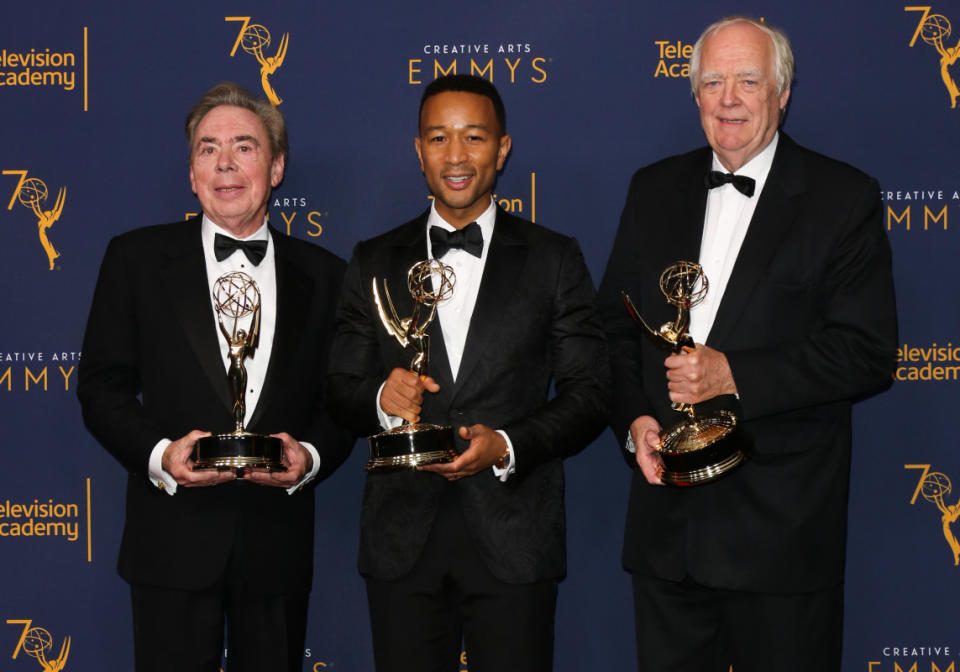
(728,94)
(455,151)
(225,160)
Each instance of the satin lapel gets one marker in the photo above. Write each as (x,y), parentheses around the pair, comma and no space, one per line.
(686,231)
(293,298)
(771,221)
(672,223)
(186,283)
(409,249)
(505,260)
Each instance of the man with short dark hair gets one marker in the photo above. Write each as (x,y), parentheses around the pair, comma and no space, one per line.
(201,547)
(470,550)
(797,323)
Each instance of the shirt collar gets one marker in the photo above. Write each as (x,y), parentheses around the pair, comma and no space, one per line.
(486,222)
(758,167)
(209,230)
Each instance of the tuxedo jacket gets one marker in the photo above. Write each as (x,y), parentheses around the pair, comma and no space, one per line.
(152,369)
(808,325)
(534,324)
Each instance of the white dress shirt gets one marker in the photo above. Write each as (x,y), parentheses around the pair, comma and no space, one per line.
(456,312)
(265,275)
(725,225)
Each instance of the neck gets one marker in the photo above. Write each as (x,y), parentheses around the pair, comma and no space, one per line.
(460,218)
(240,229)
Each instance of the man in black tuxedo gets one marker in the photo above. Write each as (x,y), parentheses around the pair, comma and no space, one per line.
(201,545)
(472,548)
(798,323)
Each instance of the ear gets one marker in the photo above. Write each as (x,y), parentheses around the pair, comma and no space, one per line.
(416,146)
(784,97)
(276,170)
(506,142)
(193,180)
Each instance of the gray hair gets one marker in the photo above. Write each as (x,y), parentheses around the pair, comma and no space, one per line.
(228,93)
(783,53)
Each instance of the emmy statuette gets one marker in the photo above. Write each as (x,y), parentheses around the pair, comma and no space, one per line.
(701,447)
(412,445)
(236,299)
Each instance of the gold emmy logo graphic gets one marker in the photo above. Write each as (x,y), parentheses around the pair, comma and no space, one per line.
(38,643)
(31,192)
(934,486)
(254,38)
(934,29)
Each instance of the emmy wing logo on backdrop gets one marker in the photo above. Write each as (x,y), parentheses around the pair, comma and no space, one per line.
(38,643)
(31,192)
(935,486)
(255,38)
(934,29)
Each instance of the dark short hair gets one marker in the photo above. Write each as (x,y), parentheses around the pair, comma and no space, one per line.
(467,84)
(228,93)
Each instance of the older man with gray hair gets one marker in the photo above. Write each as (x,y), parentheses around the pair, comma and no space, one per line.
(798,322)
(204,547)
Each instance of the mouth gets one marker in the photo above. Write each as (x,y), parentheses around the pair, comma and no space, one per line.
(456,181)
(228,189)
(735,122)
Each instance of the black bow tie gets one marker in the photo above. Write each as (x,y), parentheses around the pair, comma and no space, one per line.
(224,246)
(745,185)
(469,238)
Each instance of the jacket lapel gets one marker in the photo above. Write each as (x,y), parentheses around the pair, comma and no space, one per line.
(684,225)
(771,220)
(409,248)
(186,281)
(293,297)
(675,236)
(505,261)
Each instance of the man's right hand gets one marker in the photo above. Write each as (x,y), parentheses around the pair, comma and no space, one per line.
(176,462)
(645,432)
(402,394)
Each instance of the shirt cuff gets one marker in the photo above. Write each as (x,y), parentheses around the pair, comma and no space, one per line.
(504,474)
(160,478)
(313,471)
(628,445)
(386,421)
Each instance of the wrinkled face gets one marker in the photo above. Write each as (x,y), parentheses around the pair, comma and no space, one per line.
(231,168)
(461,148)
(737,93)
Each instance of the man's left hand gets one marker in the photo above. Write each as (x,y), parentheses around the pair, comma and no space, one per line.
(297,460)
(486,447)
(698,374)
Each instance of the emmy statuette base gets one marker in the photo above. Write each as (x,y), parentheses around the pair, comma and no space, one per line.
(410,446)
(702,450)
(238,451)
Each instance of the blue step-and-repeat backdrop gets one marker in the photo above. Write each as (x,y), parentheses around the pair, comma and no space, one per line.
(92,103)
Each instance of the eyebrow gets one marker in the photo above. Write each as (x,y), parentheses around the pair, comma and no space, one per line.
(239,138)
(741,73)
(440,127)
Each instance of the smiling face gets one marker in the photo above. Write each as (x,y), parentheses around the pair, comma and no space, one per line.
(737,93)
(231,169)
(461,148)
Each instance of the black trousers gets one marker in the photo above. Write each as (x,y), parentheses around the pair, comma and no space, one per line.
(688,627)
(451,599)
(182,631)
